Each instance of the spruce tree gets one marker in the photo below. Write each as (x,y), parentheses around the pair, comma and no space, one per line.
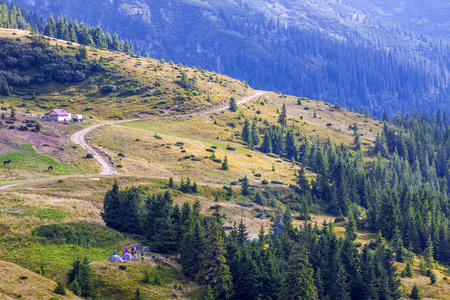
(415,292)
(50,27)
(245,186)
(60,289)
(298,282)
(112,207)
(213,269)
(266,146)
(225,166)
(255,134)
(282,119)
(350,227)
(233,106)
(246,133)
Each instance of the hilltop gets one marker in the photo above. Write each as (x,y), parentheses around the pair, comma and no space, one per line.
(357,53)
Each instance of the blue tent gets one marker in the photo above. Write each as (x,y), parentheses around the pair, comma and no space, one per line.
(127,256)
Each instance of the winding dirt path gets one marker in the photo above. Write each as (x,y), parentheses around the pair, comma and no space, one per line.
(79,137)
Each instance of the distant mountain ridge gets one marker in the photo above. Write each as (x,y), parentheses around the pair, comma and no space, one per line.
(288,46)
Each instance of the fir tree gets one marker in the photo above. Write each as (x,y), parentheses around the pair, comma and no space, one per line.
(50,27)
(214,270)
(60,288)
(225,166)
(282,119)
(246,133)
(415,292)
(245,187)
(266,146)
(233,106)
(350,228)
(298,282)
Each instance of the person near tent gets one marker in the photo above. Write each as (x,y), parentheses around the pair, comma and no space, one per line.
(115,252)
(123,250)
(142,255)
(134,251)
(126,249)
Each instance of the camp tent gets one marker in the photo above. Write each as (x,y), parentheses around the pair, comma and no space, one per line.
(127,256)
(138,247)
(115,258)
(145,249)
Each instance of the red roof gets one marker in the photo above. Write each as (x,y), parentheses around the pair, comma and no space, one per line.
(59,112)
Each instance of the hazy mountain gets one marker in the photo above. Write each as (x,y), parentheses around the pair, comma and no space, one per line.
(372,54)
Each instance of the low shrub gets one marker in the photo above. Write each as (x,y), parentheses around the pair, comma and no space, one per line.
(122,267)
(89,155)
(231,148)
(121,154)
(23,277)
(276,182)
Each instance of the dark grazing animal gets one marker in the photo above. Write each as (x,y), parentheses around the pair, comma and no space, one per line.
(6,162)
(50,168)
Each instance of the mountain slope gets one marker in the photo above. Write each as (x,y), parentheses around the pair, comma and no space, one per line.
(324,50)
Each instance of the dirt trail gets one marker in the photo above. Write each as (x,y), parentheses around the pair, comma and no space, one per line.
(79,137)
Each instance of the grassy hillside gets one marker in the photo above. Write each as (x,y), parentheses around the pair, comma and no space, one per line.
(174,138)
(142,86)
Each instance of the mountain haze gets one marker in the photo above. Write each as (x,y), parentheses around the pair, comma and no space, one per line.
(358,53)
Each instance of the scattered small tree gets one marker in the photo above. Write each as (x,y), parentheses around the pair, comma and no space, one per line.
(432,276)
(225,164)
(233,105)
(171,184)
(60,288)
(415,292)
(282,119)
(245,186)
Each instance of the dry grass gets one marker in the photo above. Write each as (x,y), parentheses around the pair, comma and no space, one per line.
(439,290)
(34,287)
(158,81)
(163,159)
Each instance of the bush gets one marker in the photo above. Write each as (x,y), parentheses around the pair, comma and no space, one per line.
(157,137)
(157,280)
(196,159)
(264,182)
(276,182)
(60,289)
(89,155)
(257,175)
(231,148)
(415,292)
(213,147)
(121,154)
(146,278)
(23,128)
(108,88)
(122,267)
(210,150)
(78,233)
(23,277)
(12,127)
